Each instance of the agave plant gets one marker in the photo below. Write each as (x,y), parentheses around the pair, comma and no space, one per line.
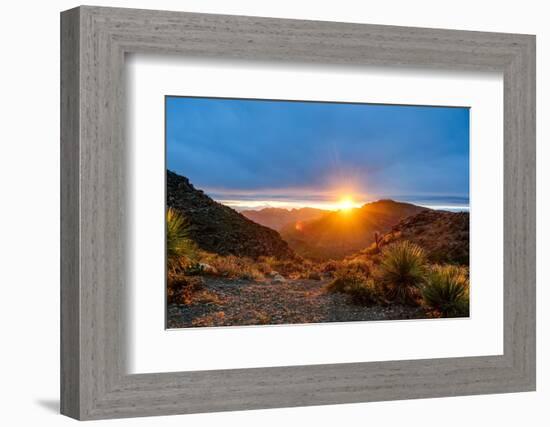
(178,242)
(447,291)
(401,272)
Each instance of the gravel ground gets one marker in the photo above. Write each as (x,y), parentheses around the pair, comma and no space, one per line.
(246,302)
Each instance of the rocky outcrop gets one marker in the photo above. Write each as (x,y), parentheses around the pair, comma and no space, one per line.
(445,236)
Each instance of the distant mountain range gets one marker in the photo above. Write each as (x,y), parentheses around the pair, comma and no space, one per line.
(277,218)
(337,234)
(220,229)
(315,233)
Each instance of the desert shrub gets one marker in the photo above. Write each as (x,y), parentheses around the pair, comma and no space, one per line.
(187,290)
(177,281)
(359,264)
(207,297)
(193,269)
(297,268)
(180,288)
(178,243)
(267,263)
(330,267)
(401,272)
(343,279)
(447,291)
(234,267)
(363,293)
(355,284)
(306,271)
(289,266)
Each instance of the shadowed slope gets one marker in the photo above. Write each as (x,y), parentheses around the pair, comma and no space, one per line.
(277,218)
(218,228)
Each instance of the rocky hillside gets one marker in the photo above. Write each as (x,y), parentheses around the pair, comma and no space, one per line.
(445,236)
(277,218)
(218,228)
(338,233)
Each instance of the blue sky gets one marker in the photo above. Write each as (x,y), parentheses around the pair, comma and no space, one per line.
(252,153)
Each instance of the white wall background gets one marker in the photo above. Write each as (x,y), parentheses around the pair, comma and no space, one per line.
(29,214)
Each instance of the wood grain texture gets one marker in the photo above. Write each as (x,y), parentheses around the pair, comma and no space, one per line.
(70,314)
(95,383)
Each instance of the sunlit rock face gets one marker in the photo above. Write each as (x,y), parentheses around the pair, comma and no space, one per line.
(445,236)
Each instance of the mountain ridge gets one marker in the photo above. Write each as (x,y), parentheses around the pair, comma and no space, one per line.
(445,236)
(341,233)
(277,218)
(218,228)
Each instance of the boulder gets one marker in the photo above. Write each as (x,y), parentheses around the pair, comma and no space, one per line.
(207,268)
(278,279)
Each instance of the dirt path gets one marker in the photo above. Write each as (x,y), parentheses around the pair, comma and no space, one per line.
(247,302)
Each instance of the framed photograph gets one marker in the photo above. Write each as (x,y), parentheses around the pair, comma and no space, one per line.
(262,213)
(310,212)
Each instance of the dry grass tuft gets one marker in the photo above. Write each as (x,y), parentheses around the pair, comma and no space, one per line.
(181,288)
(447,290)
(233,267)
(179,247)
(353,281)
(401,272)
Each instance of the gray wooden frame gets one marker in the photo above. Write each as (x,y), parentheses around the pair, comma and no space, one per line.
(94,382)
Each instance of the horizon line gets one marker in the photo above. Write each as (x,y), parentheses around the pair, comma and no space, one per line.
(248,205)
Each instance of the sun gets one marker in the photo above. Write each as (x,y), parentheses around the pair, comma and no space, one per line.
(346,203)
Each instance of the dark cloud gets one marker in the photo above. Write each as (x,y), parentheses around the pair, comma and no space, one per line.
(255,145)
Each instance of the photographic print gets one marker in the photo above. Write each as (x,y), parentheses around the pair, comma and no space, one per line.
(298,212)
